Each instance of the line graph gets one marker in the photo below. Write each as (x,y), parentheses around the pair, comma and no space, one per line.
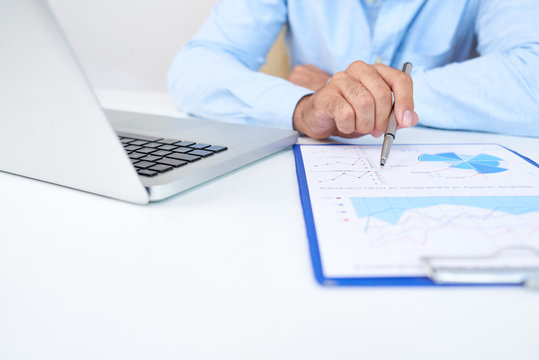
(390,209)
(339,162)
(388,222)
(346,166)
(471,229)
(361,177)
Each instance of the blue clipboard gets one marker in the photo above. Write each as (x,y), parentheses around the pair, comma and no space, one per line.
(369,281)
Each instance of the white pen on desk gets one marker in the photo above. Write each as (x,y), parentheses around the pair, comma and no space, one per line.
(392,126)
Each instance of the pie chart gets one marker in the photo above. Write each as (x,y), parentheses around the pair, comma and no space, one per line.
(481,163)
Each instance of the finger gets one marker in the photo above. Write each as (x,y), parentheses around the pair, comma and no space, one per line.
(316,70)
(379,89)
(360,98)
(344,116)
(334,110)
(402,86)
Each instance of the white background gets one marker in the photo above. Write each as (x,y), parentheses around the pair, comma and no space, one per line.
(129,44)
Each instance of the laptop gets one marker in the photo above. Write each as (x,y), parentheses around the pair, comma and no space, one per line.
(52,128)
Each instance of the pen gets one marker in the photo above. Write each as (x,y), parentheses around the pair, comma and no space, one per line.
(392,126)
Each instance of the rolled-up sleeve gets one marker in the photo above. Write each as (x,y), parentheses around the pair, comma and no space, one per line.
(497,91)
(215,74)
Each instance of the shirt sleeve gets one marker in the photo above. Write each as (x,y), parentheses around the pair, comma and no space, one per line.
(497,91)
(215,74)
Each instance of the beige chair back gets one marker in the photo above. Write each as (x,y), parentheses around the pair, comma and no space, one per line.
(277,63)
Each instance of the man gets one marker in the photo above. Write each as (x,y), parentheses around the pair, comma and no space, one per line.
(476,65)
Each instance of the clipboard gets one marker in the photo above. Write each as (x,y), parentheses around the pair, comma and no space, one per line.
(486,270)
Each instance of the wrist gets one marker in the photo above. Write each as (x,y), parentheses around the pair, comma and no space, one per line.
(297,118)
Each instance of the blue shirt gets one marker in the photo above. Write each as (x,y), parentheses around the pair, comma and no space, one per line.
(476,62)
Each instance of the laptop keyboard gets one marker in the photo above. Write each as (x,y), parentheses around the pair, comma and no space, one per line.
(152,156)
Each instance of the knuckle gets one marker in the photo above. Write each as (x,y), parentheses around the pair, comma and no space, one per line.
(365,102)
(295,69)
(356,90)
(340,75)
(298,70)
(381,92)
(358,64)
(293,76)
(346,113)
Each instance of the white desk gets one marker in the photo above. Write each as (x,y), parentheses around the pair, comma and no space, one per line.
(223,272)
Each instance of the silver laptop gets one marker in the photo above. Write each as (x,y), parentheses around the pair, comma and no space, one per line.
(52,127)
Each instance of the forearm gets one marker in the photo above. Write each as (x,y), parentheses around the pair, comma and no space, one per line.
(212,83)
(496,92)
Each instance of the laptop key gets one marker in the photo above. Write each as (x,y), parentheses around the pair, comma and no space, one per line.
(185,143)
(144,164)
(126,140)
(161,168)
(216,148)
(138,142)
(182,150)
(167,147)
(146,172)
(153,145)
(151,157)
(202,153)
(130,148)
(136,155)
(199,146)
(161,153)
(146,150)
(169,141)
(184,157)
(171,162)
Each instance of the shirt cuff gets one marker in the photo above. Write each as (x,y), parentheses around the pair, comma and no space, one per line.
(275,107)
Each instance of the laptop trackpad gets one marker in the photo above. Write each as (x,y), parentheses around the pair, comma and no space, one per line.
(152,124)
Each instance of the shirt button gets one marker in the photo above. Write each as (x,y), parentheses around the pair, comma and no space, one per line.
(378,60)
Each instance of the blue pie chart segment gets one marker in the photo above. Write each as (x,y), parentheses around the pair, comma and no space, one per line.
(481,163)
(486,169)
(462,165)
(447,157)
(485,157)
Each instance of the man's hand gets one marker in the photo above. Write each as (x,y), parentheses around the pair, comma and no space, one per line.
(308,76)
(356,102)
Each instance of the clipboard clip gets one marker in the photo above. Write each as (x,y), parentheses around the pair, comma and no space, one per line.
(516,265)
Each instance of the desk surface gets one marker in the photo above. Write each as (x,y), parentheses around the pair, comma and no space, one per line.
(223,272)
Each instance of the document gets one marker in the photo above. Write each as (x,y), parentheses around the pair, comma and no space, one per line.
(428,201)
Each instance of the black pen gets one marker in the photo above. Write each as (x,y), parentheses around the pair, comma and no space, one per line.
(392,126)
